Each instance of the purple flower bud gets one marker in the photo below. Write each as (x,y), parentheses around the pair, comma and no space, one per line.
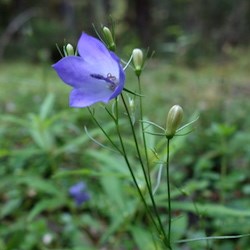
(79,193)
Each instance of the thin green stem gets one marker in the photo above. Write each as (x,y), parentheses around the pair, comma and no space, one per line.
(104,132)
(223,172)
(168,193)
(163,234)
(143,134)
(147,159)
(134,135)
(131,170)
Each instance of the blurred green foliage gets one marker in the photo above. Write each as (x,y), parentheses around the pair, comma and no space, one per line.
(194,28)
(44,150)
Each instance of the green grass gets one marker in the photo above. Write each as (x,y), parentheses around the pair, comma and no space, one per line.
(44,150)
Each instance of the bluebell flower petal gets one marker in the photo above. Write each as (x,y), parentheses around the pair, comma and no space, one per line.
(90,94)
(122,77)
(81,198)
(91,49)
(78,187)
(94,52)
(74,71)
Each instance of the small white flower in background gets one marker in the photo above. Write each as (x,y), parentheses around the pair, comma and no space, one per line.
(47,239)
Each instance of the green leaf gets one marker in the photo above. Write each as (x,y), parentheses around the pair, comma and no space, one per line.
(179,227)
(212,210)
(40,185)
(132,92)
(46,205)
(225,237)
(16,120)
(10,206)
(143,238)
(90,172)
(46,106)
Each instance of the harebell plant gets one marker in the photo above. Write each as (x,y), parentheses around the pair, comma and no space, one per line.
(97,77)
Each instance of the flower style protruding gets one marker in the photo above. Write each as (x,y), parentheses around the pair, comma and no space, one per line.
(96,75)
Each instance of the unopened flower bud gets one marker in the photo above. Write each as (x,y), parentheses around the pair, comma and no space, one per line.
(131,102)
(138,60)
(174,119)
(69,50)
(109,38)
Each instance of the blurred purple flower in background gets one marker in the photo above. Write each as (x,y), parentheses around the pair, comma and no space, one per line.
(96,75)
(79,193)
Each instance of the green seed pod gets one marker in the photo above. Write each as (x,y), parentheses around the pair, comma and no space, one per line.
(174,119)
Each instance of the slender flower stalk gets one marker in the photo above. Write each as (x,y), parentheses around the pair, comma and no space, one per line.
(138,62)
(174,119)
(104,132)
(143,132)
(147,171)
(163,235)
(122,151)
(168,193)
(130,168)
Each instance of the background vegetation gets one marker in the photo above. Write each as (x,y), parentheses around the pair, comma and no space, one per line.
(201,62)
